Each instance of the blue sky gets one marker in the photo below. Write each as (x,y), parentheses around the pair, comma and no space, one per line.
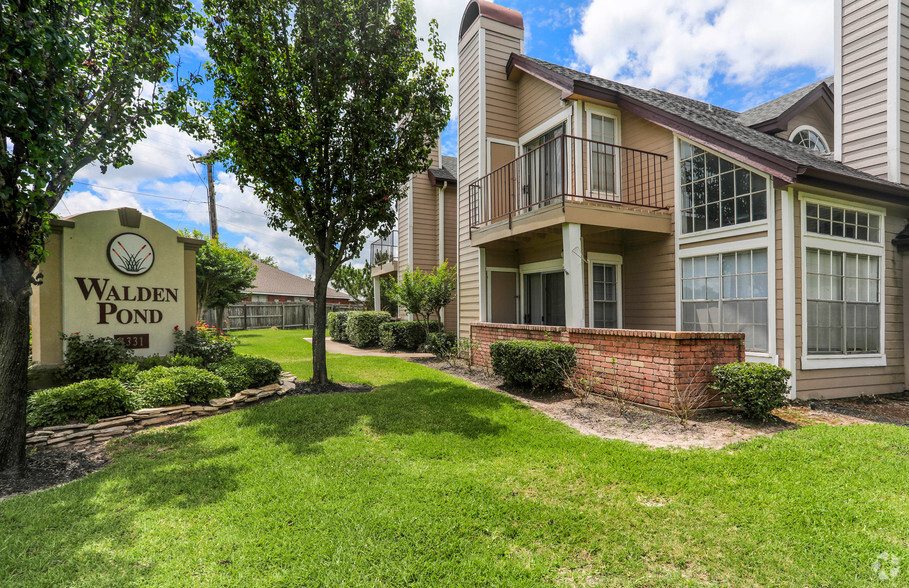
(721,51)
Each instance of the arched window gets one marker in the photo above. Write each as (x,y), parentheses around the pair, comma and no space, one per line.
(811,138)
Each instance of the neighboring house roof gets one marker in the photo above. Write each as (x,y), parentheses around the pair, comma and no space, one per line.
(717,128)
(771,117)
(271,280)
(448,172)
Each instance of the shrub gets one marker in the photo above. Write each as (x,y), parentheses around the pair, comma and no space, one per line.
(442,345)
(363,327)
(245,371)
(85,401)
(757,388)
(205,342)
(92,357)
(539,366)
(164,386)
(147,363)
(406,335)
(337,325)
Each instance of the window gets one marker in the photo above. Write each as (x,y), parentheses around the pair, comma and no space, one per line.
(810,138)
(544,298)
(843,295)
(603,154)
(822,219)
(605,295)
(718,193)
(727,292)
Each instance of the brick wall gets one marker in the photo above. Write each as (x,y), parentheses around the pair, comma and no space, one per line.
(651,368)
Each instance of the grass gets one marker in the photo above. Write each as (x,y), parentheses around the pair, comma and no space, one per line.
(430,481)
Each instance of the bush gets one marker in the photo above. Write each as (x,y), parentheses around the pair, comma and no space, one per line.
(147,363)
(442,345)
(337,325)
(207,343)
(164,386)
(245,371)
(82,402)
(539,366)
(92,357)
(406,335)
(756,388)
(363,327)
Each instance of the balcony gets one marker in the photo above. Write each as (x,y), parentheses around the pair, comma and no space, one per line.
(383,255)
(571,179)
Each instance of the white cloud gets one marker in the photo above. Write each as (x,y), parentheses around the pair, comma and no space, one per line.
(448,14)
(680,45)
(78,202)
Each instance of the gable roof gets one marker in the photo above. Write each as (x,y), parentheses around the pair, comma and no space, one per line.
(773,116)
(271,280)
(717,128)
(448,172)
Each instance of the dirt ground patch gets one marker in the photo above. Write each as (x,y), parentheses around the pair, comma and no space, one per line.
(49,468)
(892,409)
(604,418)
(331,388)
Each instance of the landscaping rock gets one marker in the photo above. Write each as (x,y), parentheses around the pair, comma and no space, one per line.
(112,423)
(152,411)
(219,402)
(64,427)
(157,421)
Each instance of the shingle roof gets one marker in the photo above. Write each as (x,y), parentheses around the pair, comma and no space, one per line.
(448,172)
(719,122)
(778,106)
(271,280)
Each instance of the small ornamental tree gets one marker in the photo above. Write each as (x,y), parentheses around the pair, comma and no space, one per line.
(223,276)
(80,82)
(325,108)
(424,294)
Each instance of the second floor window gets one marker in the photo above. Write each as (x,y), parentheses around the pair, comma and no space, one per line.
(716,192)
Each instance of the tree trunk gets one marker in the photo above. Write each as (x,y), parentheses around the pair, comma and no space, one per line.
(319,364)
(15,290)
(219,314)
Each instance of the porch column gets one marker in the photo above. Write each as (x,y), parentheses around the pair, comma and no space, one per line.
(377,293)
(573,263)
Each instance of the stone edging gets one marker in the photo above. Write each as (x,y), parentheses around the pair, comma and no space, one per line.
(81,434)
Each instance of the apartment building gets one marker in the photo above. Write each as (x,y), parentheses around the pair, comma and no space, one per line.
(590,208)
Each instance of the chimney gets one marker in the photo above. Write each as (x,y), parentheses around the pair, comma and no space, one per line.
(871,128)
(487,111)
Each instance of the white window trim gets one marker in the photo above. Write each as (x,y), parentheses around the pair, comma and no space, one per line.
(509,270)
(769,356)
(843,245)
(562,116)
(609,259)
(731,231)
(536,267)
(615,115)
(820,135)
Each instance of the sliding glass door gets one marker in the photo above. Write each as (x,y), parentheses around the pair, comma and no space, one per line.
(544,299)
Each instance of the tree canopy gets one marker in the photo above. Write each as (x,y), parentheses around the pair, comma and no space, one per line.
(325,108)
(224,275)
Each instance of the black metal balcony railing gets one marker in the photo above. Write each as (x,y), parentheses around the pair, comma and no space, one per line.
(384,250)
(564,169)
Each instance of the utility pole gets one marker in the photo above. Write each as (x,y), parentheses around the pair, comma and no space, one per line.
(212,211)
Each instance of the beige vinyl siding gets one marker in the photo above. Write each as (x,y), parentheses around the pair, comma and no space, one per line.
(450,252)
(403,231)
(865,85)
(638,133)
(537,103)
(501,95)
(844,382)
(904,92)
(425,238)
(468,171)
(819,115)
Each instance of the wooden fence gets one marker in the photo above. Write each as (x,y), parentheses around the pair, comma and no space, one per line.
(265,315)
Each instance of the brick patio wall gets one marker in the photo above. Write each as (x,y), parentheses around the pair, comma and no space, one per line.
(652,368)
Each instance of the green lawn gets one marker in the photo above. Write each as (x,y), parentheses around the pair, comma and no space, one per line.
(430,481)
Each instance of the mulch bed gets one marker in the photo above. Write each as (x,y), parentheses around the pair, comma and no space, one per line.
(52,467)
(331,388)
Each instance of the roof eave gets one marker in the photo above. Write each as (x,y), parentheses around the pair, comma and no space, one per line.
(827,180)
(780,123)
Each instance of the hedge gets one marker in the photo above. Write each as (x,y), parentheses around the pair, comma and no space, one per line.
(83,402)
(756,388)
(245,371)
(442,344)
(337,325)
(405,335)
(538,366)
(164,386)
(363,327)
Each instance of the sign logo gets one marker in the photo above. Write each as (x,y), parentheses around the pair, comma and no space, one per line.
(131,254)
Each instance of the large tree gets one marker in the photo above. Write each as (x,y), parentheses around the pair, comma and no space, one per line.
(80,80)
(325,108)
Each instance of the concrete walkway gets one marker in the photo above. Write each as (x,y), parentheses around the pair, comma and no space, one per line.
(332,346)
